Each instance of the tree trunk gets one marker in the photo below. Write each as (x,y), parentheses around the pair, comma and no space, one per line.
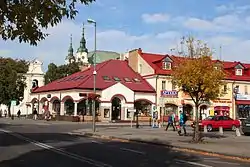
(196,137)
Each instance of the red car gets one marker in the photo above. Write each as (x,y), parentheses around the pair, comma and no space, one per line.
(214,122)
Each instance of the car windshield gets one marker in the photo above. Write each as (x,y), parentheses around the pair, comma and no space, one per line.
(210,118)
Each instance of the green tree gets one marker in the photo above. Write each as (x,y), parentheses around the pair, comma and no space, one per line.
(12,80)
(57,72)
(26,19)
(198,76)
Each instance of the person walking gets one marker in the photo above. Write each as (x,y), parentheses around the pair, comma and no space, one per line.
(35,114)
(18,113)
(170,121)
(5,113)
(182,123)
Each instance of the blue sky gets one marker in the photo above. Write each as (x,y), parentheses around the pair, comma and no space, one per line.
(153,25)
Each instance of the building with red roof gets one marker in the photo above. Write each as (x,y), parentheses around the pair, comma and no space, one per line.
(118,88)
(157,69)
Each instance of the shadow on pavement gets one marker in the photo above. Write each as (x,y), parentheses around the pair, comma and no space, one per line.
(116,154)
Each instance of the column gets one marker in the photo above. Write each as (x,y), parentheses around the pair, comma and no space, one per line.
(62,112)
(75,109)
(50,107)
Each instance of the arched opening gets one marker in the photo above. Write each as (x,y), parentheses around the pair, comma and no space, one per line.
(69,106)
(34,104)
(45,105)
(143,107)
(56,107)
(82,107)
(116,108)
(203,112)
(170,108)
(34,83)
(188,109)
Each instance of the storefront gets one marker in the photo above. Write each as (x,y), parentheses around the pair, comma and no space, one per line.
(242,106)
(222,107)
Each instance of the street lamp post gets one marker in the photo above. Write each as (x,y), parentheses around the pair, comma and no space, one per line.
(94,74)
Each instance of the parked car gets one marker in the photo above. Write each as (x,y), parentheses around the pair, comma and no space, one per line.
(246,126)
(214,122)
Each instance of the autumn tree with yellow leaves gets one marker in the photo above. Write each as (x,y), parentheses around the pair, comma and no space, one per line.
(197,75)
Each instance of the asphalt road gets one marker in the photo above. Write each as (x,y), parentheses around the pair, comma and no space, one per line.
(29,145)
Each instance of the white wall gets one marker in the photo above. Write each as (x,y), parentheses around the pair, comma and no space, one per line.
(150,97)
(118,88)
(151,81)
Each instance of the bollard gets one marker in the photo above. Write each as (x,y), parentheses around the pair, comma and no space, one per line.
(221,130)
(237,132)
(205,128)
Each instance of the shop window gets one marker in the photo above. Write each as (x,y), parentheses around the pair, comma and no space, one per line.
(238,72)
(163,85)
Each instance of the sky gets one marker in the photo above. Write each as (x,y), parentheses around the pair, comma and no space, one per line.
(156,26)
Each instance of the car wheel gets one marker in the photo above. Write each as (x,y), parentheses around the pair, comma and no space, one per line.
(209,128)
(233,127)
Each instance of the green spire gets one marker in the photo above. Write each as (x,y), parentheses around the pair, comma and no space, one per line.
(70,56)
(82,47)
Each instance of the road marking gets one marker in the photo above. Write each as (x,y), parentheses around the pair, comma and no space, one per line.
(57,150)
(222,162)
(97,142)
(192,163)
(134,151)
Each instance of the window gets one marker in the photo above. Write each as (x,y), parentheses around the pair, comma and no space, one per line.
(137,80)
(238,72)
(166,65)
(140,68)
(127,79)
(173,86)
(163,85)
(106,78)
(117,79)
(225,89)
(246,90)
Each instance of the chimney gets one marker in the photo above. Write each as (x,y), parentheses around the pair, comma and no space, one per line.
(139,51)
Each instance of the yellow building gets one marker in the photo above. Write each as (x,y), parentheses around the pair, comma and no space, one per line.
(156,69)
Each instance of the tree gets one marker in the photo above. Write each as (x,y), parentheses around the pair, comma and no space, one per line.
(12,80)
(27,19)
(56,72)
(197,75)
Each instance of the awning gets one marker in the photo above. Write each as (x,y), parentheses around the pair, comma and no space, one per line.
(246,102)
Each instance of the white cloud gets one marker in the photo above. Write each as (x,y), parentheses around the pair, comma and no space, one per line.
(231,8)
(55,47)
(155,18)
(225,23)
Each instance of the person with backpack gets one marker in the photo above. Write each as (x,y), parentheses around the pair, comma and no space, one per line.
(182,123)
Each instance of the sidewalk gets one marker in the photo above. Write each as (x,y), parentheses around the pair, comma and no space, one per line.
(228,144)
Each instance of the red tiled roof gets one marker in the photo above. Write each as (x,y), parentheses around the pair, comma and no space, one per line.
(153,61)
(110,68)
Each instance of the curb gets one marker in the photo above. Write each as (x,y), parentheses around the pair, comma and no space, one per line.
(177,148)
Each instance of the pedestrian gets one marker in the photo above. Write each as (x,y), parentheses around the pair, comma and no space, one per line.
(182,123)
(5,113)
(18,113)
(170,121)
(34,114)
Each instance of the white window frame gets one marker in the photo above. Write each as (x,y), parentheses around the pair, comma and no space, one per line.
(165,65)
(238,72)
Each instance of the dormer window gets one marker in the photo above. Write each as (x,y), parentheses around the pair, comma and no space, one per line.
(166,65)
(238,72)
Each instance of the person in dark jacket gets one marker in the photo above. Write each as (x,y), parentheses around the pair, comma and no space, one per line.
(18,113)
(171,119)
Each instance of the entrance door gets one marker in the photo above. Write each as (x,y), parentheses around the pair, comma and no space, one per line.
(116,109)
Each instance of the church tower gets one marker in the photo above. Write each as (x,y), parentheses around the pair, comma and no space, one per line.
(82,52)
(70,57)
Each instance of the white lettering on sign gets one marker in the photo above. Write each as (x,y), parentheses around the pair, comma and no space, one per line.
(169,93)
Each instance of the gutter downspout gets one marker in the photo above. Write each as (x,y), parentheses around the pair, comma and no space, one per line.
(156,97)
(233,101)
